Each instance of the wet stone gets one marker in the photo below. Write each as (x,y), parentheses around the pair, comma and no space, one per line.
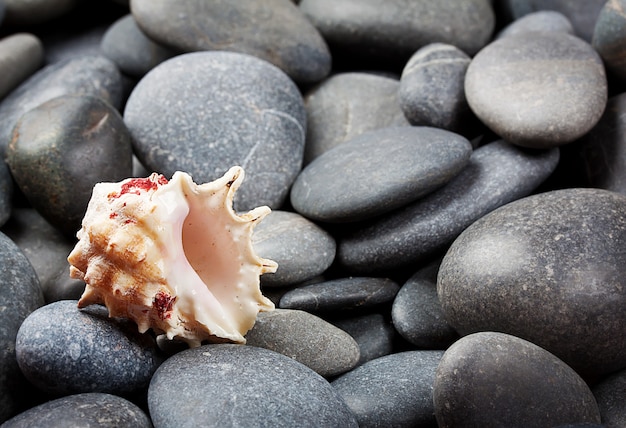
(609,394)
(23,13)
(21,55)
(6,193)
(372,332)
(542,21)
(609,37)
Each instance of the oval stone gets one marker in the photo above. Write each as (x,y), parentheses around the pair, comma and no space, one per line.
(537,90)
(541,21)
(372,332)
(234,385)
(378,171)
(498,380)
(609,36)
(204,112)
(21,55)
(549,268)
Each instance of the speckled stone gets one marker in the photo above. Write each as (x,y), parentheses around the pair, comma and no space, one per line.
(93,410)
(234,385)
(65,350)
(273,30)
(540,21)
(61,149)
(302,249)
(497,173)
(33,12)
(372,332)
(537,90)
(549,268)
(21,55)
(306,338)
(609,394)
(204,112)
(495,379)
(394,390)
(377,172)
(6,193)
(609,37)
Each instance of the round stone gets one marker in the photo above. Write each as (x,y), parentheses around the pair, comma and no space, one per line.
(541,21)
(21,55)
(205,112)
(6,193)
(609,36)
(23,13)
(537,90)
(234,385)
(372,332)
(609,394)
(549,268)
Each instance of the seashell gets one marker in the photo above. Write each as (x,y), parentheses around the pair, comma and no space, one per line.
(173,256)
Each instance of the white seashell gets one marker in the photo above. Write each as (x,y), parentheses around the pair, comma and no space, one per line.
(173,256)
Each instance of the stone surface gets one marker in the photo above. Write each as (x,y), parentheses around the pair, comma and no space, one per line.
(234,385)
(21,55)
(494,379)
(273,30)
(306,338)
(93,410)
(609,37)
(6,193)
(537,90)
(377,172)
(497,173)
(609,394)
(394,390)
(302,249)
(32,12)
(540,21)
(560,251)
(372,332)
(204,112)
(63,350)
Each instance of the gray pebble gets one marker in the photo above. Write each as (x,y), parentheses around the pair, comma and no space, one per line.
(609,394)
(6,193)
(23,13)
(609,37)
(540,21)
(21,55)
(372,332)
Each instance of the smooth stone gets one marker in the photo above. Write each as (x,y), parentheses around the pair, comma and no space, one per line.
(549,268)
(394,390)
(432,87)
(63,350)
(88,75)
(6,193)
(372,332)
(21,55)
(64,43)
(417,313)
(302,249)
(339,295)
(273,30)
(234,385)
(19,13)
(497,173)
(93,410)
(346,105)
(204,112)
(305,338)
(61,149)
(537,90)
(494,379)
(377,172)
(609,37)
(20,294)
(609,394)
(541,21)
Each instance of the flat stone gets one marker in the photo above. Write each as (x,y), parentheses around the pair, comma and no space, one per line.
(23,13)
(63,350)
(273,30)
(495,379)
(537,90)
(6,193)
(234,385)
(540,21)
(95,410)
(609,36)
(306,338)
(372,332)
(497,173)
(205,112)
(377,172)
(394,390)
(609,394)
(549,268)
(21,55)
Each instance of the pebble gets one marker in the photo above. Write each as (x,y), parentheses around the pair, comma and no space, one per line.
(204,112)
(609,36)
(306,338)
(65,350)
(92,409)
(302,249)
(537,90)
(497,173)
(495,379)
(394,390)
(233,385)
(61,149)
(561,251)
(6,193)
(377,172)
(609,394)
(20,13)
(273,30)
(21,54)
(541,21)
(372,332)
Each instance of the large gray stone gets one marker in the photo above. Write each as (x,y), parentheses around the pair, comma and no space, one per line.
(21,55)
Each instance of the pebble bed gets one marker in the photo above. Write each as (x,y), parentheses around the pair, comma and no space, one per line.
(448,186)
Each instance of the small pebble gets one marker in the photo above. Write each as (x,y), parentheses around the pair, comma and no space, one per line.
(372,332)
(609,394)
(541,21)
(609,36)
(21,55)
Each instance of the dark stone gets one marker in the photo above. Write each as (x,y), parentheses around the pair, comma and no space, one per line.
(497,173)
(23,13)
(549,268)
(542,21)
(609,36)
(63,350)
(61,149)
(6,193)
(273,30)
(372,332)
(93,410)
(537,90)
(2,10)
(21,55)
(205,112)
(609,394)
(377,172)
(394,390)
(498,380)
(234,385)
(307,339)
